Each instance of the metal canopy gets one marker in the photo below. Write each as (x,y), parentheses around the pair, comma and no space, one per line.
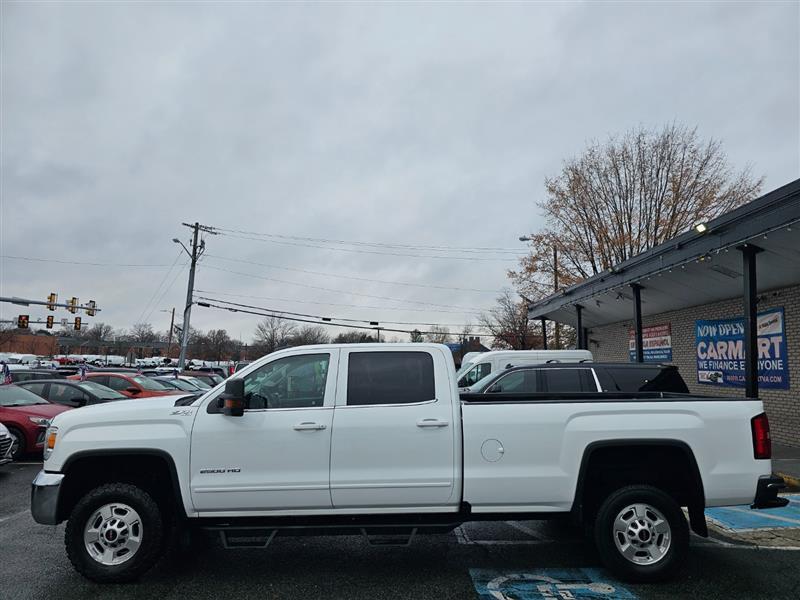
(693,268)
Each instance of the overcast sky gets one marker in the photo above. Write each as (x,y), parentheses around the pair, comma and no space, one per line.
(401,124)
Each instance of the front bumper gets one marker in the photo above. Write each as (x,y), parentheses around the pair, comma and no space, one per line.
(767,492)
(45,490)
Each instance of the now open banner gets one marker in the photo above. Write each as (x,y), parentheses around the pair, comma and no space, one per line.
(720,351)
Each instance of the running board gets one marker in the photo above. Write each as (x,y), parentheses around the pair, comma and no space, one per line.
(389,539)
(232,538)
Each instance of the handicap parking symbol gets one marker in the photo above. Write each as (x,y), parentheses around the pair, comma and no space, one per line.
(541,584)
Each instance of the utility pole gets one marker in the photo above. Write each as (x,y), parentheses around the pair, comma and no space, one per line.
(171,326)
(556,335)
(195,253)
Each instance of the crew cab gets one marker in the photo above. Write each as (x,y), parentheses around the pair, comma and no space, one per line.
(374,439)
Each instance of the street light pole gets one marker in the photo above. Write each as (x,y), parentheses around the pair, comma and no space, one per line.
(171,327)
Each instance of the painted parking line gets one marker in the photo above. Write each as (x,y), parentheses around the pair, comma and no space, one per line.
(540,584)
(742,518)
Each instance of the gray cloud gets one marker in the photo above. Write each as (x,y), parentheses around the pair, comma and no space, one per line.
(398,123)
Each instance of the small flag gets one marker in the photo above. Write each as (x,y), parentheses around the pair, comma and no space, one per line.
(6,375)
(82,370)
(175,373)
(139,370)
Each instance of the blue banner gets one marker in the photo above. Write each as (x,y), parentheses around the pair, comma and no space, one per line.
(720,351)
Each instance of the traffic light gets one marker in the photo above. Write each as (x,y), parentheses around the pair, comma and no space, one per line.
(49,322)
(77,323)
(91,310)
(73,305)
(22,322)
(51,301)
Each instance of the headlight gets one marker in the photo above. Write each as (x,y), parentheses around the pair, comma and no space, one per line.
(50,441)
(40,421)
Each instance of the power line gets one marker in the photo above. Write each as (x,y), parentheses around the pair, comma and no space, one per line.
(351,277)
(292,300)
(157,303)
(360,251)
(346,320)
(415,247)
(158,288)
(324,289)
(265,313)
(77,262)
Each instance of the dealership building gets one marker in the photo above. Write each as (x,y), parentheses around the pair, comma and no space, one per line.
(721,302)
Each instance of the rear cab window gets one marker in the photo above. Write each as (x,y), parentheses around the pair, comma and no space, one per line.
(379,378)
(565,381)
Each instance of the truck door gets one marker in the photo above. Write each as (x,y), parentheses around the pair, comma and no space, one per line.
(277,455)
(395,431)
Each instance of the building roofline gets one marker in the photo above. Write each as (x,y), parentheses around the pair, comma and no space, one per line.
(774,210)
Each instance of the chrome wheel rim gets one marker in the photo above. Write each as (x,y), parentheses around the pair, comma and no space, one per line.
(113,534)
(642,534)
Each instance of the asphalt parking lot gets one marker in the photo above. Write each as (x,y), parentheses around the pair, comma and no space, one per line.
(513,560)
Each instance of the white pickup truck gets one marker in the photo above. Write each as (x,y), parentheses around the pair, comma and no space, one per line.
(374,439)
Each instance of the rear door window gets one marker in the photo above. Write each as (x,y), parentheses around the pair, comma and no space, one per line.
(564,381)
(37,388)
(118,383)
(389,378)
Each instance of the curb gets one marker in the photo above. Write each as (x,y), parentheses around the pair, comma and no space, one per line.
(792,482)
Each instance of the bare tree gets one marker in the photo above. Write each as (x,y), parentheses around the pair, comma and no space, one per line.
(509,324)
(354,336)
(438,334)
(416,336)
(624,196)
(309,334)
(142,333)
(218,342)
(271,334)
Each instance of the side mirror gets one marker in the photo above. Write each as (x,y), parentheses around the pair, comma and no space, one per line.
(77,401)
(133,390)
(232,399)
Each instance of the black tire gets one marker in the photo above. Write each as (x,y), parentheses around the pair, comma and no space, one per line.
(152,536)
(22,447)
(658,569)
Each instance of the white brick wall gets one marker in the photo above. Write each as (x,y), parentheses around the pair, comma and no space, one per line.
(610,342)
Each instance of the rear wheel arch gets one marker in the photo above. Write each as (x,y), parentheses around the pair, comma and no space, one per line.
(666,464)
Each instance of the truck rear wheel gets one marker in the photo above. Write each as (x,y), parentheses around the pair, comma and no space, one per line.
(114,533)
(641,534)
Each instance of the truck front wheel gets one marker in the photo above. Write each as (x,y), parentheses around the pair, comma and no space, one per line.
(641,534)
(114,533)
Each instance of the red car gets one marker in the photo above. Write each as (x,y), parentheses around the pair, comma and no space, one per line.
(130,384)
(26,415)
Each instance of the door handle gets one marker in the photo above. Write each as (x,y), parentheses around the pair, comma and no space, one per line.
(309,426)
(432,423)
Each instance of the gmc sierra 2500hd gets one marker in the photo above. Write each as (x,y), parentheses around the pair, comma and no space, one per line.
(374,439)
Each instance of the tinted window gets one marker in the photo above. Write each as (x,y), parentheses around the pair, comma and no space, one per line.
(101,380)
(98,390)
(150,384)
(389,378)
(61,393)
(475,374)
(647,379)
(516,382)
(291,382)
(118,383)
(36,388)
(560,381)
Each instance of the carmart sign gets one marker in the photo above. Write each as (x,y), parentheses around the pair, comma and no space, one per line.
(720,351)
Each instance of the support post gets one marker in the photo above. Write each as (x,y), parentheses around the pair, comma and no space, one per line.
(579,326)
(750,291)
(544,333)
(637,321)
